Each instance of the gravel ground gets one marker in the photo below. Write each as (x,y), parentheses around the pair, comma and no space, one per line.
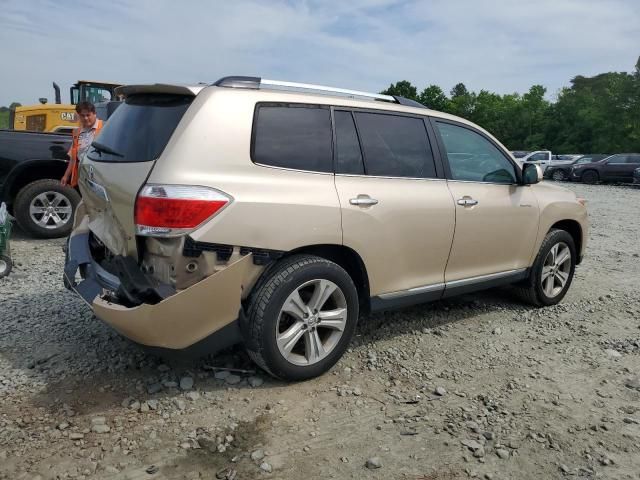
(480,386)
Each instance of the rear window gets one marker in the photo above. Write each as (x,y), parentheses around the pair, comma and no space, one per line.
(139,130)
(395,146)
(293,136)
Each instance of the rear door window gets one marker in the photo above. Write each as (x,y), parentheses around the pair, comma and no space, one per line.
(139,130)
(293,136)
(395,146)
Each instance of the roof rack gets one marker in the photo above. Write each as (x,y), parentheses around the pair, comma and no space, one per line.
(257,83)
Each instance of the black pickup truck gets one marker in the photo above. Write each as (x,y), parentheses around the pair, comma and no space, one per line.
(31,166)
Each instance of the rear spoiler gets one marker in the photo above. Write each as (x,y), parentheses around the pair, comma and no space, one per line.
(191,90)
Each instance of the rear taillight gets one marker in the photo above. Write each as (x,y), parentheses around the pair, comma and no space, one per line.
(170,210)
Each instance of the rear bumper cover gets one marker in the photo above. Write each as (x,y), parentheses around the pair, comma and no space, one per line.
(177,322)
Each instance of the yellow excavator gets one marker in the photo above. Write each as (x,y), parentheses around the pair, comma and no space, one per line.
(59,117)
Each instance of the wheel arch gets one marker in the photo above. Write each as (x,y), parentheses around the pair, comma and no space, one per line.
(348,259)
(573,228)
(30,171)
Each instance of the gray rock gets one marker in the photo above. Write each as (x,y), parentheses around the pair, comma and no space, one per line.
(186,383)
(233,379)
(98,421)
(154,388)
(488,435)
(111,469)
(257,455)
(479,453)
(193,396)
(373,463)
(76,436)
(221,375)
(631,420)
(179,403)
(497,331)
(63,426)
(144,407)
(255,382)
(266,467)
(564,468)
(471,444)
(164,368)
(633,383)
(170,384)
(153,404)
(135,405)
(502,453)
(440,391)
(100,428)
(613,353)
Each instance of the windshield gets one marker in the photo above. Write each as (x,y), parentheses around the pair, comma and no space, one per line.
(139,130)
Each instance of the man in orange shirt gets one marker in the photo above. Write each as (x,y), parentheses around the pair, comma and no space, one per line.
(89,127)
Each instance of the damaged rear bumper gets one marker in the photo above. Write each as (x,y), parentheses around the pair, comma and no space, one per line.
(196,315)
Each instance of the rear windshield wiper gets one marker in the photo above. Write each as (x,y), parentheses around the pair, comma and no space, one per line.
(100,148)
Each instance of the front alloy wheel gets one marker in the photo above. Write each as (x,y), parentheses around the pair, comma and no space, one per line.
(556,270)
(558,175)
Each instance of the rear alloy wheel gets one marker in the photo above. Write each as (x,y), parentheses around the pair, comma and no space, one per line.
(558,176)
(301,318)
(45,208)
(552,272)
(590,176)
(5,266)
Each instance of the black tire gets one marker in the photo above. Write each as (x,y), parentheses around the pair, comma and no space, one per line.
(558,176)
(590,177)
(5,266)
(531,290)
(28,193)
(267,300)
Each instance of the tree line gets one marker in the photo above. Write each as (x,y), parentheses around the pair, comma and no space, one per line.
(599,114)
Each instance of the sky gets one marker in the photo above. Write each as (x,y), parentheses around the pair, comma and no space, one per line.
(498,45)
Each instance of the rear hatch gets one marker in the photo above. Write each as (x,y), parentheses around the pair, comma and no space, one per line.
(123,155)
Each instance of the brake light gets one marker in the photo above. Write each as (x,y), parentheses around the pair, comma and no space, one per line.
(171,210)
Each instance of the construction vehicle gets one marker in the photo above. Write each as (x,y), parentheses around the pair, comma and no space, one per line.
(59,117)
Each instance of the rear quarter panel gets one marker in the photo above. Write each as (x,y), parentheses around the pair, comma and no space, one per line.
(272,208)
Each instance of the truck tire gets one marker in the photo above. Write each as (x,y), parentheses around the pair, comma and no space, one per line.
(301,318)
(45,208)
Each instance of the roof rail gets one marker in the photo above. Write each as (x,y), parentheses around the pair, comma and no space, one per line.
(257,83)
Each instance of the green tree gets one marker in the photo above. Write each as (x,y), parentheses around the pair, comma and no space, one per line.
(462,101)
(402,88)
(433,97)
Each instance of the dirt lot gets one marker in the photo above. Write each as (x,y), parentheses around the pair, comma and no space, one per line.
(521,393)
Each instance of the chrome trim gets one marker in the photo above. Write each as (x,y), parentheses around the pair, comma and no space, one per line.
(455,283)
(389,178)
(413,291)
(323,88)
(486,183)
(484,278)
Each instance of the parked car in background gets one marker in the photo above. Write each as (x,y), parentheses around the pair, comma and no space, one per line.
(636,176)
(303,208)
(562,170)
(616,168)
(519,154)
(539,157)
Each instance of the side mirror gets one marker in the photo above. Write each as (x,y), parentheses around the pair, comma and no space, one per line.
(531,174)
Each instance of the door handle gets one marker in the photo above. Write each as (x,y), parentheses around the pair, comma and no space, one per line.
(467,202)
(363,201)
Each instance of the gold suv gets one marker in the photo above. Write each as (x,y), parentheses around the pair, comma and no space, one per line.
(275,214)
